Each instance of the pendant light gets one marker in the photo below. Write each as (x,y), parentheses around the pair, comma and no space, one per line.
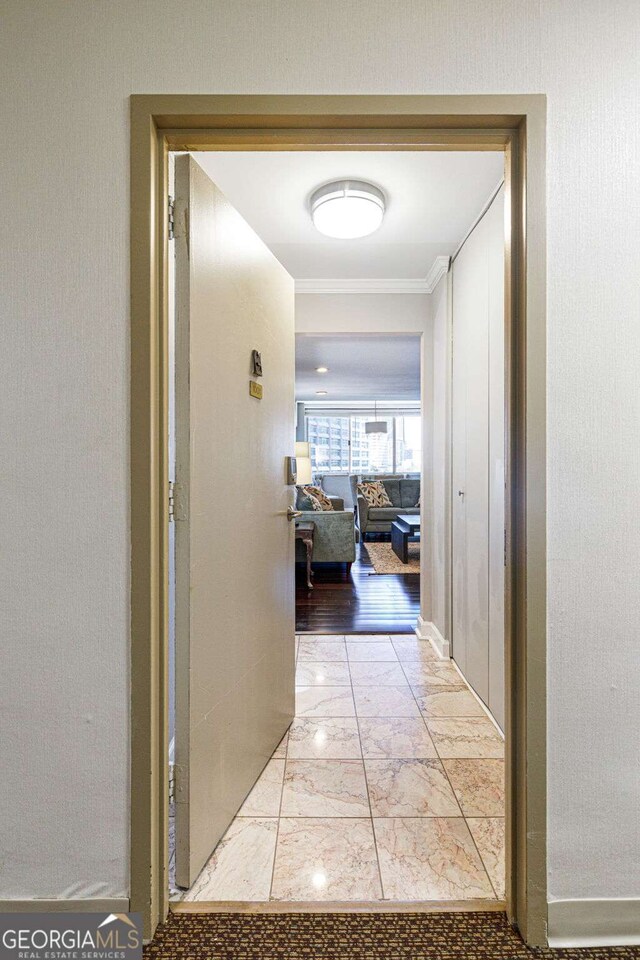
(375,425)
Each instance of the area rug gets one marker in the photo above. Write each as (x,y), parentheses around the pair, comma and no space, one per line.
(332,936)
(384,559)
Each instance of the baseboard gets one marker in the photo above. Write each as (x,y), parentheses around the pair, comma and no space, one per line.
(594,923)
(426,630)
(107,905)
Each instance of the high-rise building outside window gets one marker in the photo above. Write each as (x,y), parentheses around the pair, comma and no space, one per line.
(342,445)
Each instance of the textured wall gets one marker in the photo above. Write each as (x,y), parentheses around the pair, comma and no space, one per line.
(66,70)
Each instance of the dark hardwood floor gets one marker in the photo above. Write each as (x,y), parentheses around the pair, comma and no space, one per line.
(360,603)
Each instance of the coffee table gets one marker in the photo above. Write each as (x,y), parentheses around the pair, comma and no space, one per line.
(403,528)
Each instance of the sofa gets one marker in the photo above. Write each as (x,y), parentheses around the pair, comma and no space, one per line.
(403,492)
(334,539)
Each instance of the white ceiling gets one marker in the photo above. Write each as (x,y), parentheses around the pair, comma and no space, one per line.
(432,200)
(360,367)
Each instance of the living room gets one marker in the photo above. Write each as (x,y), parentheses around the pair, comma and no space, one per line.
(359,462)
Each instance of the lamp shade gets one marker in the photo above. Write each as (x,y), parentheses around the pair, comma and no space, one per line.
(375,426)
(303,449)
(303,470)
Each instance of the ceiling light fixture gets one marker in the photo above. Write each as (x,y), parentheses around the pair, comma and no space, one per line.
(347,209)
(321,393)
(322,369)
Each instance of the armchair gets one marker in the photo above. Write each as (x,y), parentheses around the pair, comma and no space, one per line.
(334,539)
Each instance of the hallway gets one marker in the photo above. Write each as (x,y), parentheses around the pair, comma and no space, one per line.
(387,787)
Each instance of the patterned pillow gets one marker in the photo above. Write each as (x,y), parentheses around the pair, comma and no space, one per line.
(319,500)
(303,502)
(374,493)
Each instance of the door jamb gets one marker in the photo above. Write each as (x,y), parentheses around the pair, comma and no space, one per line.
(513,123)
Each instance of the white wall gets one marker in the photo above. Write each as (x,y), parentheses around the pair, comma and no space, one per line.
(362,312)
(433,593)
(67,69)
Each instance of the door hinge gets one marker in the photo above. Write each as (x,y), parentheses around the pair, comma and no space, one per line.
(180,783)
(172,501)
(172,783)
(177,507)
(171,212)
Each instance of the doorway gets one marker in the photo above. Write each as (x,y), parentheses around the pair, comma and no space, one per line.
(382,736)
(428,128)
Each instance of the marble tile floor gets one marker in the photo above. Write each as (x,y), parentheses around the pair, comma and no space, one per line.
(388,786)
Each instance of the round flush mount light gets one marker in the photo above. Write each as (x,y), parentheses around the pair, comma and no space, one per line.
(321,393)
(322,369)
(347,209)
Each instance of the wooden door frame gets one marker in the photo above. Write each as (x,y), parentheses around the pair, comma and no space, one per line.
(515,124)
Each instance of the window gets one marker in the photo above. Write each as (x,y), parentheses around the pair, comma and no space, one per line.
(329,444)
(408,437)
(371,452)
(342,445)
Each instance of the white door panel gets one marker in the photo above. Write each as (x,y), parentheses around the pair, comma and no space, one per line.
(495,226)
(470,436)
(459,486)
(234,546)
(478,459)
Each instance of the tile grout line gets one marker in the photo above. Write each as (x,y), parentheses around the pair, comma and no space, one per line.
(446,773)
(353,701)
(422,716)
(435,718)
(455,795)
(440,759)
(366,781)
(279,817)
(284,772)
(473,840)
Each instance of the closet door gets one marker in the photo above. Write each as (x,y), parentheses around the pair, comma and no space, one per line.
(477,466)
(470,462)
(458,488)
(495,267)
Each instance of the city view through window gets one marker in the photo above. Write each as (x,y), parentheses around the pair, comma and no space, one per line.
(341,445)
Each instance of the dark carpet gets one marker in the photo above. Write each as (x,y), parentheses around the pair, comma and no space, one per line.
(235,936)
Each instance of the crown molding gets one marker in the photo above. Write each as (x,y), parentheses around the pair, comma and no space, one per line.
(439,267)
(376,285)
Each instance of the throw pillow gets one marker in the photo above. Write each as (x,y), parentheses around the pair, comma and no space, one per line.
(303,502)
(374,493)
(319,500)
